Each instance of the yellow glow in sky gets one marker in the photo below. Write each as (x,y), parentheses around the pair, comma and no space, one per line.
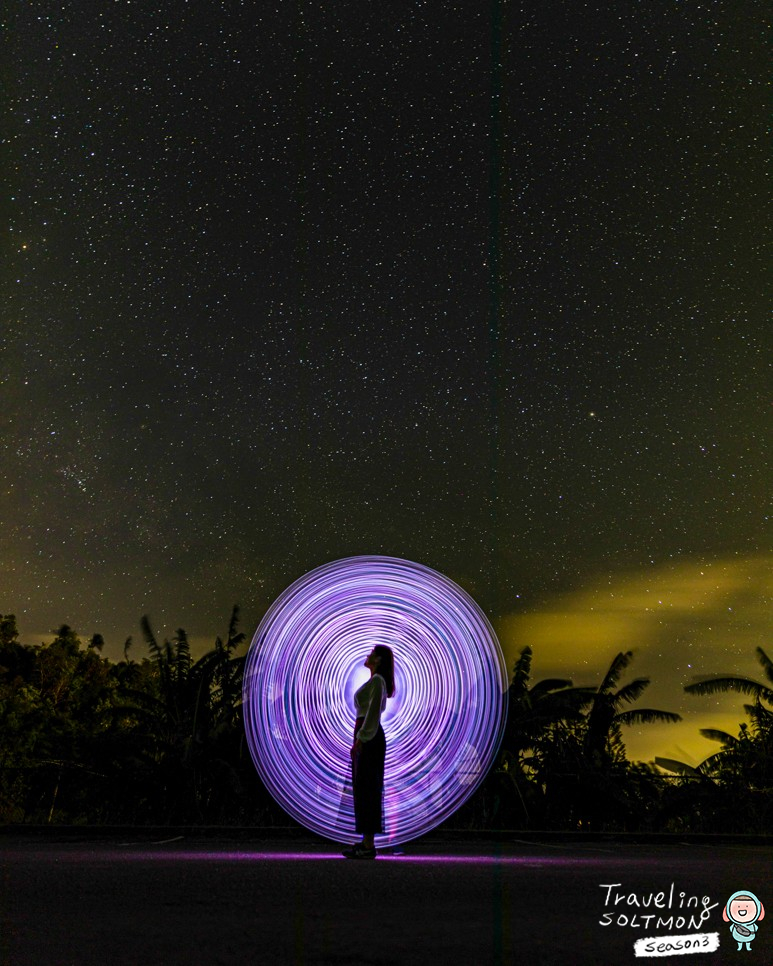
(686,620)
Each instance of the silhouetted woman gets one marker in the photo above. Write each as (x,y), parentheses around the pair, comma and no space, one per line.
(369,751)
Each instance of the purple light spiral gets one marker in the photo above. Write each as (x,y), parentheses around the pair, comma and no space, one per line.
(443,726)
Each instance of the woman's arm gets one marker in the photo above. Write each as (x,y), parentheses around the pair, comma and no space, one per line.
(373,714)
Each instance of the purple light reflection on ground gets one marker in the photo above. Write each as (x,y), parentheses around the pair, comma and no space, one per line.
(248,855)
(240,856)
(524,860)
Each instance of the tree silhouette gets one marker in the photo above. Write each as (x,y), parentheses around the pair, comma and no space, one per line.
(756,743)
(534,715)
(744,765)
(720,684)
(603,787)
(161,740)
(534,707)
(183,728)
(603,736)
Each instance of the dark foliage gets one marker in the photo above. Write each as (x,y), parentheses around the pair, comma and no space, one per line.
(161,741)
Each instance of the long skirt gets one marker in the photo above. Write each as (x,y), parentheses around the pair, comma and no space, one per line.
(368,783)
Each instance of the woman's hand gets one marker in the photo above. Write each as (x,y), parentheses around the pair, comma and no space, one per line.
(356,748)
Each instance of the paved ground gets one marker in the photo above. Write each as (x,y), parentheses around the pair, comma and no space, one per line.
(298,902)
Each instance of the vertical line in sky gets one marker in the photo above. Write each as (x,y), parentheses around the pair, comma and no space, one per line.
(495,168)
(304,346)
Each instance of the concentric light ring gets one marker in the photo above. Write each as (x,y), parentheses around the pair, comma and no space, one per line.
(443,726)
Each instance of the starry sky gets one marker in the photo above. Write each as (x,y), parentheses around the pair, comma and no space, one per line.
(479,285)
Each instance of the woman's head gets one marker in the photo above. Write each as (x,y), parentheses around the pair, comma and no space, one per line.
(384,664)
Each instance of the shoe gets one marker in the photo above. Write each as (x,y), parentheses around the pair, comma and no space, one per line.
(358,851)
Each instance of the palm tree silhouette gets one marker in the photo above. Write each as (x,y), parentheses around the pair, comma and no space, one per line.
(715,685)
(185,726)
(532,708)
(747,758)
(603,736)
(537,715)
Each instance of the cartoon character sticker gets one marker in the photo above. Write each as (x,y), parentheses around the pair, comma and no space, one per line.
(743,910)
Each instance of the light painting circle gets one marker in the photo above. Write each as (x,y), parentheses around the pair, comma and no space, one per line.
(443,726)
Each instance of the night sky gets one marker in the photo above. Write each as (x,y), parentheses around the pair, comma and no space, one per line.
(476,285)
